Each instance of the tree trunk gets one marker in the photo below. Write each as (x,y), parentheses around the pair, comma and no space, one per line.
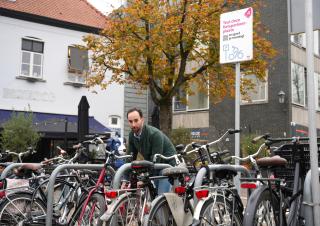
(166,116)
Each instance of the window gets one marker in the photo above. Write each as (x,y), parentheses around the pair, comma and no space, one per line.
(197,101)
(298,84)
(78,60)
(179,101)
(32,58)
(317,77)
(259,92)
(114,121)
(299,39)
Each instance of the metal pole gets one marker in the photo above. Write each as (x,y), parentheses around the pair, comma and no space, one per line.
(307,200)
(293,129)
(315,186)
(5,172)
(66,134)
(237,122)
(125,168)
(218,167)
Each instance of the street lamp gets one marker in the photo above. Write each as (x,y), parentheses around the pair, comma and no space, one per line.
(281,96)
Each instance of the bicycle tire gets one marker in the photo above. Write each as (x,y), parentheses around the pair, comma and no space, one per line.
(221,212)
(160,214)
(261,210)
(95,208)
(15,205)
(121,214)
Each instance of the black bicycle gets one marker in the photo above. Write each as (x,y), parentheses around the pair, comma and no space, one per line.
(278,198)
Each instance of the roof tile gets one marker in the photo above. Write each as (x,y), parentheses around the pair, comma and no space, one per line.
(73,11)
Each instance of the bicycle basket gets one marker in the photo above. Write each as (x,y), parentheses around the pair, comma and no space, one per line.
(285,151)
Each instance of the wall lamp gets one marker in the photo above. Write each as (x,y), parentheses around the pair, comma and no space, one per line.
(281,96)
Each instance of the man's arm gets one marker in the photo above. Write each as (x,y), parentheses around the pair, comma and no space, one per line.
(132,149)
(156,145)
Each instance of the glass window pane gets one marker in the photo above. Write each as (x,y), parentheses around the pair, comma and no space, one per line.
(258,93)
(179,104)
(81,79)
(197,101)
(37,47)
(36,71)
(25,68)
(37,59)
(318,77)
(78,59)
(26,57)
(114,121)
(26,44)
(298,84)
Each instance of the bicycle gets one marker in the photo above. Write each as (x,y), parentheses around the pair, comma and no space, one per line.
(94,205)
(167,208)
(277,201)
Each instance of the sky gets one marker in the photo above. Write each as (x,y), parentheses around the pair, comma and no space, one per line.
(106,6)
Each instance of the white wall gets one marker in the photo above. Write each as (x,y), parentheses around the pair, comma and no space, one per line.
(51,96)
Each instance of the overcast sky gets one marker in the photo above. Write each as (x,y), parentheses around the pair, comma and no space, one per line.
(106,6)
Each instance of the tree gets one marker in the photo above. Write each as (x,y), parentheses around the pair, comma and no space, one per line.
(167,45)
(18,133)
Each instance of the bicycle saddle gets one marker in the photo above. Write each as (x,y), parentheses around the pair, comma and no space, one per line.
(272,161)
(142,164)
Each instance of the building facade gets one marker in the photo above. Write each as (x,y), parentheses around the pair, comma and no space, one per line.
(43,69)
(281,100)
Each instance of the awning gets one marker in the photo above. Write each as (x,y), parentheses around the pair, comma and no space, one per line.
(56,123)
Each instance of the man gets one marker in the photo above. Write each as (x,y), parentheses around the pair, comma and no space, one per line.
(146,141)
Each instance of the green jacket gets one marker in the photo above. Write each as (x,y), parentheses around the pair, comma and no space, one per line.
(152,141)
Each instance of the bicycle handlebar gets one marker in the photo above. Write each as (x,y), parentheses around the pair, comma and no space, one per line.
(118,156)
(229,131)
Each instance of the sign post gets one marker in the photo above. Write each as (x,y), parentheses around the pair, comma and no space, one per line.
(236,45)
(315,187)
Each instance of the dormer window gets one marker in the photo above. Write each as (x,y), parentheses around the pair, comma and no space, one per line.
(32,58)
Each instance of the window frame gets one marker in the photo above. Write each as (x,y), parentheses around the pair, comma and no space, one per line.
(118,121)
(304,85)
(317,78)
(76,71)
(259,101)
(31,60)
(187,106)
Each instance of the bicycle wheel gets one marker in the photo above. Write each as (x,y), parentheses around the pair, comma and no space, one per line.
(127,211)
(160,214)
(93,211)
(18,209)
(218,210)
(261,211)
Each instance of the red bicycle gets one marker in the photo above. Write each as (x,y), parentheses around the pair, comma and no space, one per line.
(94,205)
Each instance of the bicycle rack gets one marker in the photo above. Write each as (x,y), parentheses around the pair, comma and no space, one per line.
(52,179)
(12,166)
(307,207)
(116,183)
(203,171)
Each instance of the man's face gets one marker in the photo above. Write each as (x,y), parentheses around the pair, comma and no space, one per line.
(135,121)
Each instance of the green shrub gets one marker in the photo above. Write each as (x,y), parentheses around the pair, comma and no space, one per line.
(18,133)
(249,148)
(180,136)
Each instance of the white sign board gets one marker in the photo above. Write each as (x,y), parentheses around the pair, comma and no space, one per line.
(236,42)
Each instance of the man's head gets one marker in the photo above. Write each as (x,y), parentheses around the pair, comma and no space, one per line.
(135,119)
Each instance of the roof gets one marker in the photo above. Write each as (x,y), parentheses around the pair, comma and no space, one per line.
(78,12)
(47,122)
